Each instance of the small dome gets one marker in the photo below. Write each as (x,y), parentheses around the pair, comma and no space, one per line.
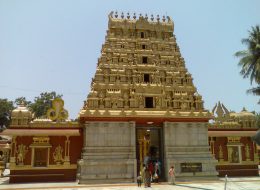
(21,111)
(243,114)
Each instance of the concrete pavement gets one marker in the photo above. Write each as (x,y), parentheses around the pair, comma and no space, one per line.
(245,183)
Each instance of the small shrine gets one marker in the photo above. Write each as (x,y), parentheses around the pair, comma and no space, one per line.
(230,139)
(44,149)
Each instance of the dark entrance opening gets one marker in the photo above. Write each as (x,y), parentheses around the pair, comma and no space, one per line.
(142,35)
(146,78)
(149,150)
(145,60)
(149,102)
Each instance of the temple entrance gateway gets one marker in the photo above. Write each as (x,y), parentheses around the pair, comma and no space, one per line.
(149,149)
(143,107)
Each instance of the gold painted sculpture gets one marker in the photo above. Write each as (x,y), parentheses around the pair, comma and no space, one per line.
(57,112)
(220,153)
(21,152)
(247,150)
(57,155)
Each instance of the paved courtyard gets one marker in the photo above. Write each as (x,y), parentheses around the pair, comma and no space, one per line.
(250,183)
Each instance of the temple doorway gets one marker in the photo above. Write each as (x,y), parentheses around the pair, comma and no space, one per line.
(149,150)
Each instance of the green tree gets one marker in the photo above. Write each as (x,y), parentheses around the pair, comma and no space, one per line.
(258,120)
(250,59)
(42,103)
(6,108)
(22,100)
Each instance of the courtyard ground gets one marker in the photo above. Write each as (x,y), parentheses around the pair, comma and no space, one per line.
(243,183)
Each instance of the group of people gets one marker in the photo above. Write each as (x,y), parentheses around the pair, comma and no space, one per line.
(151,172)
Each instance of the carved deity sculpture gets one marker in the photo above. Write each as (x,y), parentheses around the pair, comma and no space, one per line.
(247,151)
(141,100)
(220,153)
(125,99)
(157,101)
(21,152)
(230,152)
(233,154)
(57,155)
(57,112)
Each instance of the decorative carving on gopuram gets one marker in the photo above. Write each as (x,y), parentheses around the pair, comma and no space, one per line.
(141,68)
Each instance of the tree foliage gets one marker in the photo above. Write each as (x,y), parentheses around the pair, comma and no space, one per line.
(42,103)
(22,101)
(39,107)
(250,59)
(258,120)
(6,108)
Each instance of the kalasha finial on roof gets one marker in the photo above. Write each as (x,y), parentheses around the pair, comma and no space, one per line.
(169,19)
(163,18)
(244,109)
(110,15)
(127,16)
(146,17)
(158,18)
(152,18)
(134,17)
(116,15)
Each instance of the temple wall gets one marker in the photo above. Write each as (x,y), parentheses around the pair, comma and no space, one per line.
(27,172)
(247,162)
(109,153)
(187,142)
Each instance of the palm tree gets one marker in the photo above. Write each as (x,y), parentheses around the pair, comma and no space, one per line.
(250,59)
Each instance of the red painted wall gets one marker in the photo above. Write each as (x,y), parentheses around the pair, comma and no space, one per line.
(48,175)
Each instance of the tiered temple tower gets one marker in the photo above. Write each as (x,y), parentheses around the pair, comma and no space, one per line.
(143,106)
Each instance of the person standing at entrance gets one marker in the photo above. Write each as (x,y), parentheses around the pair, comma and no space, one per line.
(147,177)
(172,175)
(139,181)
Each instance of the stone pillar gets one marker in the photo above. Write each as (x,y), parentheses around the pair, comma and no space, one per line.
(13,152)
(109,153)
(67,151)
(256,158)
(186,143)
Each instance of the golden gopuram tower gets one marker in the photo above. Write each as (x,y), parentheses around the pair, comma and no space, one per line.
(143,108)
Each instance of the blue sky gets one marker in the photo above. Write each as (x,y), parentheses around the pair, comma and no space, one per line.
(54,46)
